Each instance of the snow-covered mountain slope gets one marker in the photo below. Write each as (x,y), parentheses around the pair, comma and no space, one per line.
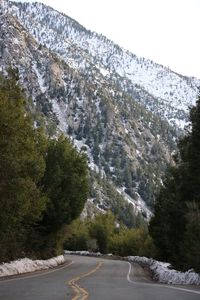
(127,146)
(165,93)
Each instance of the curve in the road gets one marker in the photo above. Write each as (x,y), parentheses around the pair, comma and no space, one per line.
(81,293)
(115,280)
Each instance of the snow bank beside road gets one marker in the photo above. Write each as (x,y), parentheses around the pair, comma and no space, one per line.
(26,265)
(163,274)
(84,253)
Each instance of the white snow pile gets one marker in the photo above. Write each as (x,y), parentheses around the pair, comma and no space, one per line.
(83,253)
(162,272)
(26,265)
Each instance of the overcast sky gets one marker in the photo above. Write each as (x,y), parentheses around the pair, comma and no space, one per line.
(166,31)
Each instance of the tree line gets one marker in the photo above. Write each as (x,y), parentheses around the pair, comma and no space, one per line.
(175,227)
(106,235)
(43,181)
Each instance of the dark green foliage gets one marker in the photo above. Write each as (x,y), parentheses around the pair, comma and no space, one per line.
(65,183)
(191,238)
(176,224)
(167,226)
(43,183)
(22,165)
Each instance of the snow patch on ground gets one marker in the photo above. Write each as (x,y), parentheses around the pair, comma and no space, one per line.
(83,253)
(41,82)
(60,111)
(139,204)
(103,71)
(163,273)
(26,265)
(79,145)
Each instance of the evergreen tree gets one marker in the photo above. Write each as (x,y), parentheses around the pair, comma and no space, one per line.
(191,239)
(43,184)
(65,182)
(22,165)
(175,227)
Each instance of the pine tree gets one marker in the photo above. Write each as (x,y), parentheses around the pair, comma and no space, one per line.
(174,227)
(43,183)
(21,167)
(65,182)
(191,239)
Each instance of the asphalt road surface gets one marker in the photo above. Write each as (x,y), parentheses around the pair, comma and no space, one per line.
(92,278)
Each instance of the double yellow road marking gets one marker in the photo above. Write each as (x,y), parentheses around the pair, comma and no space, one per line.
(81,293)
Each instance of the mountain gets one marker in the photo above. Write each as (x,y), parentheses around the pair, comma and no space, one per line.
(165,93)
(117,108)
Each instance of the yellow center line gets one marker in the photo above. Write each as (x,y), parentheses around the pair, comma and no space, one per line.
(81,293)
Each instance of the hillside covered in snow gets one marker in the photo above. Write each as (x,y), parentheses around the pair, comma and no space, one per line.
(165,93)
(116,107)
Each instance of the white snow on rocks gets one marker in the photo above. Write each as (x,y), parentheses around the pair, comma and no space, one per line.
(60,111)
(163,273)
(139,205)
(26,265)
(84,49)
(83,253)
(40,79)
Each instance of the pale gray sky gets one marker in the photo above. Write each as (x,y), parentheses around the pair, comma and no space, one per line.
(166,31)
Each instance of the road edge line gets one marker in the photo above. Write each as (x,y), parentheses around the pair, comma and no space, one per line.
(43,272)
(158,285)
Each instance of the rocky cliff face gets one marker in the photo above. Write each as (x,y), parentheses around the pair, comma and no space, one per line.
(103,97)
(162,91)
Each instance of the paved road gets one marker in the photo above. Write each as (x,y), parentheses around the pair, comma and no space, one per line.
(94,279)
